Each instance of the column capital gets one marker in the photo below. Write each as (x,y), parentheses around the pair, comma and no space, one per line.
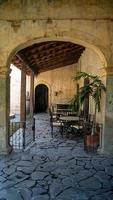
(31,73)
(109,70)
(3,71)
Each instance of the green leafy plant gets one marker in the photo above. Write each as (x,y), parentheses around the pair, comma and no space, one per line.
(93,88)
(75,103)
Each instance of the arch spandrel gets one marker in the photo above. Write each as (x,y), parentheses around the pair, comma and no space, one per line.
(84,40)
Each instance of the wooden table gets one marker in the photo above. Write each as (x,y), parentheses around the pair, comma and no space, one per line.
(69,118)
(68,121)
(12,116)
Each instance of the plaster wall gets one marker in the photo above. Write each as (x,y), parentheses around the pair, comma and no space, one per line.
(85,22)
(61,81)
(91,63)
(22,23)
(55,9)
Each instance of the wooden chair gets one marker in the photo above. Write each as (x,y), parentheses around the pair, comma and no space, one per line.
(78,127)
(55,122)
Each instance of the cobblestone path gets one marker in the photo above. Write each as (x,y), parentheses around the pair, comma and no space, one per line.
(55,169)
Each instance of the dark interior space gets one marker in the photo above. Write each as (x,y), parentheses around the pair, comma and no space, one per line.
(41,98)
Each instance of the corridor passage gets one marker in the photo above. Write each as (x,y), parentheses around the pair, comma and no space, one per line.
(55,169)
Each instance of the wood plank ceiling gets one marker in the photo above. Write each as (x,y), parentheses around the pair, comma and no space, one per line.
(41,57)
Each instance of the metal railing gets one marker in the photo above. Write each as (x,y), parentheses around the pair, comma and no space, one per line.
(21,134)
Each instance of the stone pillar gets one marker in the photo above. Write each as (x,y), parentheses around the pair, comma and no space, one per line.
(4,111)
(27,103)
(31,94)
(107,138)
(23,96)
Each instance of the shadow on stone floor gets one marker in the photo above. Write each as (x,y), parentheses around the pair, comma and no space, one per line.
(55,169)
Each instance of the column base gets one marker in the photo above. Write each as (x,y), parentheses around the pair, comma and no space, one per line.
(105,151)
(5,151)
(100,150)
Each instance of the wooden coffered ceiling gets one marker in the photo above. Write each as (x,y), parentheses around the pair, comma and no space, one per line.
(41,57)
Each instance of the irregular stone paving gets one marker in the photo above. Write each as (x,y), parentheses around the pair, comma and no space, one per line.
(55,169)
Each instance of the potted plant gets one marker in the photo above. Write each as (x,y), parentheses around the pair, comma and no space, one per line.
(94,88)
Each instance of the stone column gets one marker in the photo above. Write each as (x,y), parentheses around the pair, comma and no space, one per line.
(23,96)
(4,111)
(107,138)
(31,94)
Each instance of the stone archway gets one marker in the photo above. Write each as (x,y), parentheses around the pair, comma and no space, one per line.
(71,39)
(88,24)
(41,98)
(75,37)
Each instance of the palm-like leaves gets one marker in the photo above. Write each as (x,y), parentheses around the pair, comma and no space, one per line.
(94,89)
(98,87)
(75,102)
(84,92)
(84,75)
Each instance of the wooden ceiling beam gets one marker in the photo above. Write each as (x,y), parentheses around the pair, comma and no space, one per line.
(48,45)
(49,55)
(70,59)
(55,57)
(56,63)
(17,61)
(25,62)
(57,53)
(51,45)
(60,59)
(49,51)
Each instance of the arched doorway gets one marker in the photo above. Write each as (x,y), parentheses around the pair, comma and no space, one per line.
(40,106)
(41,98)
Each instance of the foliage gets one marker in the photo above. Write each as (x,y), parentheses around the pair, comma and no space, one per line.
(84,75)
(75,103)
(94,88)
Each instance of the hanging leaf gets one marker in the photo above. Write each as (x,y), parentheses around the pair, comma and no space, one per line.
(94,88)
(84,75)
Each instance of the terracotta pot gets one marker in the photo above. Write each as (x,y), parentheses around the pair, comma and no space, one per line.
(91,141)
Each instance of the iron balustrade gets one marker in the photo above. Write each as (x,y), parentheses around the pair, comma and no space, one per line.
(21,134)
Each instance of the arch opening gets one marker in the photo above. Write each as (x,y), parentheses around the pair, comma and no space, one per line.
(72,43)
(41,98)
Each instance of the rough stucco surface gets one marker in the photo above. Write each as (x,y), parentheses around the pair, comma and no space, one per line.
(36,9)
(89,23)
(61,81)
(91,63)
(108,133)
(3,105)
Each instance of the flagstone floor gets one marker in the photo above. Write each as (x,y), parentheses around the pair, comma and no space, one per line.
(55,169)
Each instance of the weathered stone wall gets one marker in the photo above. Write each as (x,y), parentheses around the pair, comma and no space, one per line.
(4,111)
(85,22)
(89,23)
(60,81)
(36,9)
